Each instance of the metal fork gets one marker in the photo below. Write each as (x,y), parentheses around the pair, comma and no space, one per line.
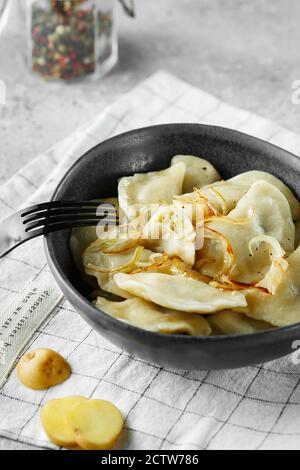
(47,217)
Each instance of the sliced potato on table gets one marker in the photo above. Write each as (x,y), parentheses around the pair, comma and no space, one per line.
(55,423)
(79,423)
(96,424)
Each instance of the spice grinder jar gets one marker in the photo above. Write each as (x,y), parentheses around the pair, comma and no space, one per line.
(69,39)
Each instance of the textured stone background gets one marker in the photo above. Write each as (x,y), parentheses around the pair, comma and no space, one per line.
(246,52)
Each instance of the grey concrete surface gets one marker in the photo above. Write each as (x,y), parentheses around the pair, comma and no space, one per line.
(245,52)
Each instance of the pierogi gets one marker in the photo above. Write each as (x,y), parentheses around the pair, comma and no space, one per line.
(195,254)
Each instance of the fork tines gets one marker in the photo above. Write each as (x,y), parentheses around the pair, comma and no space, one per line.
(57,215)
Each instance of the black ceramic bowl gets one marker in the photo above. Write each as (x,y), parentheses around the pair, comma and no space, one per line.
(96,174)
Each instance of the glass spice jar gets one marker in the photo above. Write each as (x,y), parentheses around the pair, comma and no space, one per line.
(69,39)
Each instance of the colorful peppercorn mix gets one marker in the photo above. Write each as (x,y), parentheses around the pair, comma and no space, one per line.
(69,39)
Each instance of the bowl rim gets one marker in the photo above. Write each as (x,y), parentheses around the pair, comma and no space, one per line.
(266,337)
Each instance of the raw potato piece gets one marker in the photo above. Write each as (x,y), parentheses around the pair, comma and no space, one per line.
(199,172)
(151,317)
(96,424)
(54,421)
(150,188)
(42,369)
(232,323)
(179,292)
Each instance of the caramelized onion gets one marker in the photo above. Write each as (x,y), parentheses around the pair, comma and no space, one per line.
(221,197)
(172,266)
(211,210)
(122,246)
(224,282)
(230,220)
(228,254)
(127,267)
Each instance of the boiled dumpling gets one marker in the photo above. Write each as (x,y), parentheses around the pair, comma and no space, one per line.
(282,308)
(178,292)
(82,237)
(233,323)
(221,197)
(171,231)
(199,172)
(263,210)
(151,317)
(103,266)
(250,177)
(271,213)
(224,196)
(150,188)
(297,235)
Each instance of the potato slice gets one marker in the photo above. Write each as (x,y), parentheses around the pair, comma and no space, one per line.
(42,369)
(232,323)
(55,423)
(96,424)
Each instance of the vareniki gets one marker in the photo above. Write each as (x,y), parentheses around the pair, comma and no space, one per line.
(197,255)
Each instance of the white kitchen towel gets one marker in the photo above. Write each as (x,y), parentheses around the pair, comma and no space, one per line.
(252,408)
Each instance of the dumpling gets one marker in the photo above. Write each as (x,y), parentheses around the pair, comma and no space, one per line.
(224,196)
(199,172)
(103,266)
(178,292)
(151,317)
(251,177)
(297,235)
(82,237)
(271,213)
(233,323)
(171,231)
(150,188)
(221,196)
(282,308)
(262,211)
